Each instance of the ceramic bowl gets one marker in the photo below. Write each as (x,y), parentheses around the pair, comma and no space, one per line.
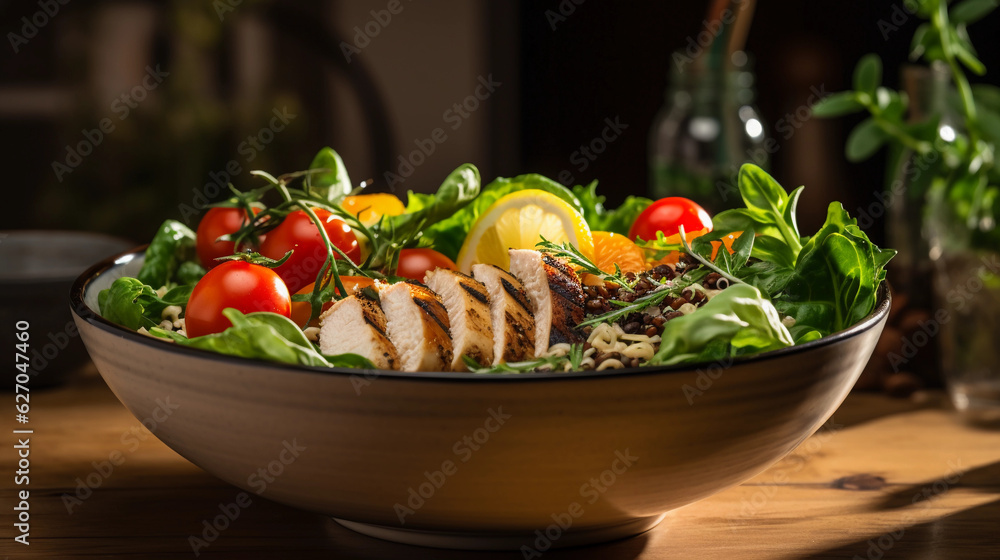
(475,461)
(37,268)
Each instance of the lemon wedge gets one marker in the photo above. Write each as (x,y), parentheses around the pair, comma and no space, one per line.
(520,220)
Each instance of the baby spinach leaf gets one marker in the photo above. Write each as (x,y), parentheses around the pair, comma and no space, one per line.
(132,304)
(173,244)
(332,184)
(739,314)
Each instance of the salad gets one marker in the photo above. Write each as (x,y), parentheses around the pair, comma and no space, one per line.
(522,274)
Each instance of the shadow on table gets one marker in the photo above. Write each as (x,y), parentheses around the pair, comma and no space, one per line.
(968,534)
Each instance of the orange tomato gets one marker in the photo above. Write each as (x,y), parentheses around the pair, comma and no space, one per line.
(370,207)
(301,310)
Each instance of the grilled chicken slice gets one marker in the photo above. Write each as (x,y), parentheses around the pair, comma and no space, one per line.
(417,324)
(556,296)
(356,324)
(468,307)
(510,313)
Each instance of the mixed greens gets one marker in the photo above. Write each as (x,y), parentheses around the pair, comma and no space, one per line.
(784,288)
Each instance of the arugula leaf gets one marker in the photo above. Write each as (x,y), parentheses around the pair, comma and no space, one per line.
(132,304)
(173,244)
(599,218)
(448,234)
(334,183)
(739,316)
(266,336)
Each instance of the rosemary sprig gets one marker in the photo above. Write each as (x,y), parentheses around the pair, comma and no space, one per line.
(628,308)
(580,261)
(704,261)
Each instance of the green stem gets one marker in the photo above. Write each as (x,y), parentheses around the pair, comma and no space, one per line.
(940,21)
(711,266)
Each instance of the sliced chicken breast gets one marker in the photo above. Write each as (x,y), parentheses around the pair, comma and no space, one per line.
(510,314)
(417,323)
(468,306)
(556,296)
(357,325)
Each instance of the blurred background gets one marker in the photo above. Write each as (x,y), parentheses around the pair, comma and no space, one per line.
(119,114)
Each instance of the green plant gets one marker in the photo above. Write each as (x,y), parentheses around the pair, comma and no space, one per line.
(959,178)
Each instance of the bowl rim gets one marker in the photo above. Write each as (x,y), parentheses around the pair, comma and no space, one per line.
(80,308)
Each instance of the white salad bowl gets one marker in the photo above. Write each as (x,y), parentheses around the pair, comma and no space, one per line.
(475,461)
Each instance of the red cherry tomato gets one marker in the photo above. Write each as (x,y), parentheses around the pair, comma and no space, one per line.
(299,234)
(414,263)
(237,284)
(666,215)
(213,225)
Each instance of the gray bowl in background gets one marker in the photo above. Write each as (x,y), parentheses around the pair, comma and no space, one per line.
(37,268)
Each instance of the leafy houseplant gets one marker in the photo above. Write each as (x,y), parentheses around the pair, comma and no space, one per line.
(958,169)
(942,142)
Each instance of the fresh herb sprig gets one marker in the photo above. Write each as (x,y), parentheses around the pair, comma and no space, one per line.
(554,363)
(580,261)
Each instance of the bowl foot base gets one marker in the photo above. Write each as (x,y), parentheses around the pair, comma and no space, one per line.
(503,540)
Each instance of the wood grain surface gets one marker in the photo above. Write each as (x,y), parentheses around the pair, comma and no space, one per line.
(883,479)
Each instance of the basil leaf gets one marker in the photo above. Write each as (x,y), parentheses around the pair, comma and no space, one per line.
(173,244)
(334,183)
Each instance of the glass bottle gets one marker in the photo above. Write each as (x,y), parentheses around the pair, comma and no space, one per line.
(708,128)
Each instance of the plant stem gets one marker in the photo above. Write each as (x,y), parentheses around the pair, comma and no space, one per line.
(940,21)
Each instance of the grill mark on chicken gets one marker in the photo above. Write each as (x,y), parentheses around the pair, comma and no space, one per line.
(472,291)
(518,295)
(433,309)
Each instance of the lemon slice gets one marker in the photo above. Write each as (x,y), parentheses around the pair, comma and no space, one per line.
(519,220)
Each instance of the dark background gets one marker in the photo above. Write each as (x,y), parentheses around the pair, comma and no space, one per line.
(606,60)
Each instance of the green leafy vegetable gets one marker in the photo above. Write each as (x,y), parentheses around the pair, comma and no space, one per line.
(739,315)
(448,235)
(769,212)
(173,244)
(132,304)
(265,336)
(599,218)
(427,215)
(332,183)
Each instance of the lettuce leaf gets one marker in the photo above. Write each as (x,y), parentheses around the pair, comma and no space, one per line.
(599,218)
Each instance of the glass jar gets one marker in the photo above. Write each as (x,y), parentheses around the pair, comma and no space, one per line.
(708,128)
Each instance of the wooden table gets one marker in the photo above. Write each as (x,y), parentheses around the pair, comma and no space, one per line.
(884,479)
